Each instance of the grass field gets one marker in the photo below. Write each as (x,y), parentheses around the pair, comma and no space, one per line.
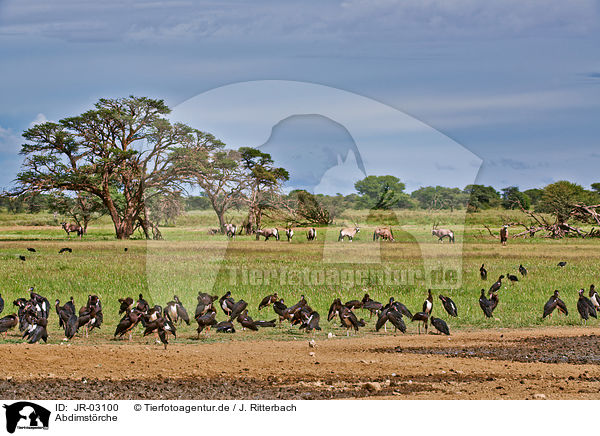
(189,261)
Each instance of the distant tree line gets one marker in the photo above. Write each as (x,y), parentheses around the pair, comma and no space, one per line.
(124,159)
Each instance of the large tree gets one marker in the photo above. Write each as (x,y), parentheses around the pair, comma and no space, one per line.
(204,162)
(263,184)
(440,197)
(381,192)
(481,197)
(513,198)
(120,148)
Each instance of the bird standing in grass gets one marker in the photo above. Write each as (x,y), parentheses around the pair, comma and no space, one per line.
(7,323)
(585,307)
(485,305)
(428,303)
(594,297)
(449,305)
(523,270)
(512,277)
(550,305)
(496,286)
(483,272)
(562,264)
(268,300)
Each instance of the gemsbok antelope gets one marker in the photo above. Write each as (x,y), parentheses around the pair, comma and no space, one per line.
(311,235)
(267,233)
(349,232)
(504,234)
(72,228)
(442,233)
(383,233)
(289,233)
(230,230)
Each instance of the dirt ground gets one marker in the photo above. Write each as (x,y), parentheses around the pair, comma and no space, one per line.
(546,363)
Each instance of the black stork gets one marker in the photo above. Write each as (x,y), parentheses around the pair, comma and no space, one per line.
(449,305)
(483,272)
(594,297)
(279,308)
(428,303)
(226,303)
(65,250)
(512,277)
(205,321)
(237,309)
(523,270)
(485,305)
(127,323)
(421,316)
(585,307)
(349,320)
(7,323)
(550,305)
(1,304)
(125,304)
(224,327)
(395,318)
(562,264)
(399,307)
(440,325)
(312,323)
(142,305)
(31,250)
(496,286)
(246,321)
(268,300)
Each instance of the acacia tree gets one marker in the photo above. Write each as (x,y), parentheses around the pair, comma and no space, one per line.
(263,184)
(121,148)
(203,161)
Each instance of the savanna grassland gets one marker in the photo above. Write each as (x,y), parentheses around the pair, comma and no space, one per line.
(189,261)
(515,355)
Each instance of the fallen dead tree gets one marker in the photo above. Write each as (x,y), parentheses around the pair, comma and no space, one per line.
(556,230)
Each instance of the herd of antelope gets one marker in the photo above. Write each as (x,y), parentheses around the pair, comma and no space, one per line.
(383,233)
(230,230)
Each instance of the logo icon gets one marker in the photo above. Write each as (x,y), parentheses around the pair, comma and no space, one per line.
(26,415)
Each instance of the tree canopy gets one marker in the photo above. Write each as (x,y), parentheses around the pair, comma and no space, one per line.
(121,147)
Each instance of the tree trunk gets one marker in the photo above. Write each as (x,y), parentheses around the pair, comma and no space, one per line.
(221,216)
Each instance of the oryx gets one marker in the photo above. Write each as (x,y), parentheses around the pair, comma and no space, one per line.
(349,232)
(383,233)
(442,233)
(267,233)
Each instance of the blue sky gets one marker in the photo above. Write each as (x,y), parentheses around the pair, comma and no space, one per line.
(516,83)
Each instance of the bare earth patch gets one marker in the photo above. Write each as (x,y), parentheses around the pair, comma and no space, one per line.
(552,363)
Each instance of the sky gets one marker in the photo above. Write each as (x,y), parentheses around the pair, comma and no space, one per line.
(511,88)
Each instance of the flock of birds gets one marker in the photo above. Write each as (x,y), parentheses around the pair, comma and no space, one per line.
(33,250)
(33,313)
(587,307)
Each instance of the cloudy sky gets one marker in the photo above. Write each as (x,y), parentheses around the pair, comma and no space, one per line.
(516,83)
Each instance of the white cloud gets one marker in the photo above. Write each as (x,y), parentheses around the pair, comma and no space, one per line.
(39,119)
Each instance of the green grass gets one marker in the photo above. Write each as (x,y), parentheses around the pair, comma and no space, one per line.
(189,261)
